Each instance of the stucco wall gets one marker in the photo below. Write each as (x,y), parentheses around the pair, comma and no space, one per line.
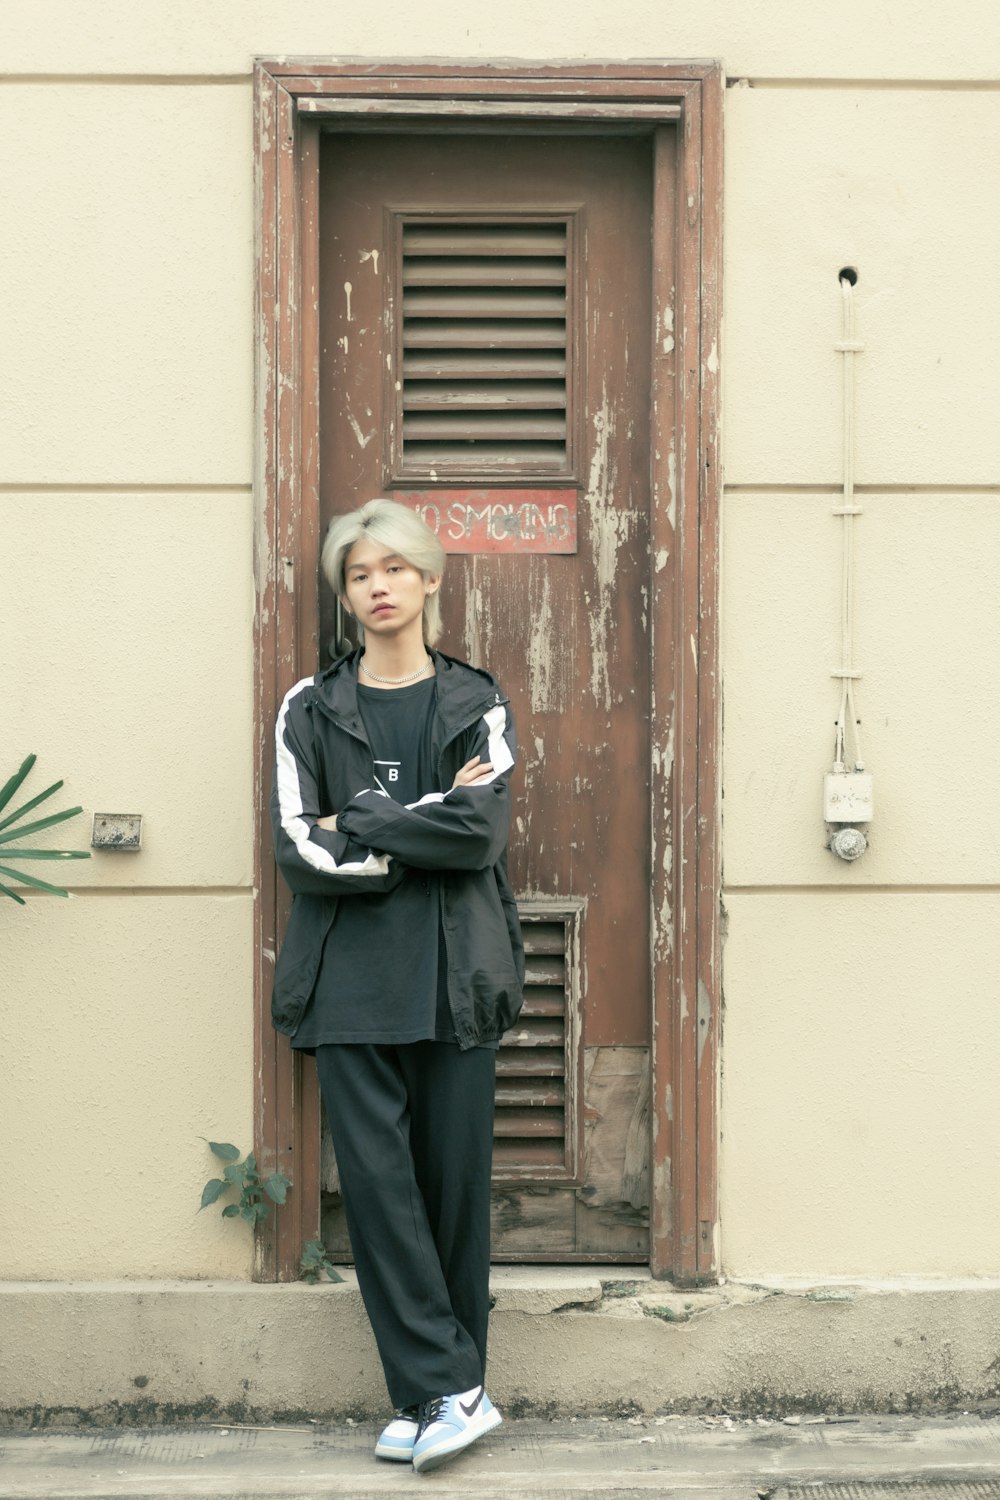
(856,1133)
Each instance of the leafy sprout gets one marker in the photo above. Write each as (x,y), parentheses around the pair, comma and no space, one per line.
(10,831)
(243,1177)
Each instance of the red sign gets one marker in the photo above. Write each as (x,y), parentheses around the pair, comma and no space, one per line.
(497,520)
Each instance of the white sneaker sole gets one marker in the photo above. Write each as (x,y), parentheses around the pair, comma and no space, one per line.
(448,1448)
(394,1455)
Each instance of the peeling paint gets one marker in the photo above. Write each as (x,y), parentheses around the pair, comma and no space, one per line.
(478,623)
(363,439)
(610,528)
(542,654)
(712,363)
(665,332)
(704,1017)
(662,558)
(672,488)
(372,255)
(348,288)
(343,343)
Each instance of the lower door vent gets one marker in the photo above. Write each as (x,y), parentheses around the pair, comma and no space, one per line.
(537,1127)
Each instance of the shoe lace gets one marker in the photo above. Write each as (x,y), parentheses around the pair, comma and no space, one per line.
(429,1412)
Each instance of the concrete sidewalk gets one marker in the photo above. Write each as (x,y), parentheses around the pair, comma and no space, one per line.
(703,1458)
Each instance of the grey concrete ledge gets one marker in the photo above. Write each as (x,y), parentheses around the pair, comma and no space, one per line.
(564,1341)
(710,1458)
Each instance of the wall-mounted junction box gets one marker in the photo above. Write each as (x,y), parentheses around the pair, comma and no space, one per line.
(848,797)
(122,831)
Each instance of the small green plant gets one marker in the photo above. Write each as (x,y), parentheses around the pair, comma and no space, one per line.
(8,833)
(243,1177)
(315,1262)
(252,1206)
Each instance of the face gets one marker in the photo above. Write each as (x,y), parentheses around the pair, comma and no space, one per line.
(384,591)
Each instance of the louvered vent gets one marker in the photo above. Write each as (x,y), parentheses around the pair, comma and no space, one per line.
(535,1126)
(484,348)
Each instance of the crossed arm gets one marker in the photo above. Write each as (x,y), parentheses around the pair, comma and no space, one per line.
(365,845)
(474,771)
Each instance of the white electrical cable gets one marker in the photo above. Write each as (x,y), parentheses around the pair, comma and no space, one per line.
(848,346)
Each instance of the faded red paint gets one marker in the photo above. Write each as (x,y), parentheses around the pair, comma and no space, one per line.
(497,520)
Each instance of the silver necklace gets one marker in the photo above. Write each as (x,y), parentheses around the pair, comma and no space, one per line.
(394,681)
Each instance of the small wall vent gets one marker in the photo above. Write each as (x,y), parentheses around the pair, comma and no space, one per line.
(484,348)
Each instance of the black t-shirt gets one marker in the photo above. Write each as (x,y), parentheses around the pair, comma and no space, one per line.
(383,975)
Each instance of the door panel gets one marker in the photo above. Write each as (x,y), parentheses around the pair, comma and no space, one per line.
(567,634)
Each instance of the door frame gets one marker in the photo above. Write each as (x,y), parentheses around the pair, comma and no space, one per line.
(292,98)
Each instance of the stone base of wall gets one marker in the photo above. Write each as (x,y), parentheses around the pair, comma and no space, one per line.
(563,1342)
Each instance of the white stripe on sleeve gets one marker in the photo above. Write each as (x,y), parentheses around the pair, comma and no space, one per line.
(497,753)
(290,806)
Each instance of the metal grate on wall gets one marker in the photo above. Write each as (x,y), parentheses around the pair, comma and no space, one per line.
(536,1126)
(484,351)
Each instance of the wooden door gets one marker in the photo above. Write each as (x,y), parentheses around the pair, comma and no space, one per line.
(485,348)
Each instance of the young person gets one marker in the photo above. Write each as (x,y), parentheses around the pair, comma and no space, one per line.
(402,963)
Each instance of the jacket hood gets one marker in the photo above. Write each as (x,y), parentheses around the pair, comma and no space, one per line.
(464,692)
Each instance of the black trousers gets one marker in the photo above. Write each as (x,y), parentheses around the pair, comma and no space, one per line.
(412,1129)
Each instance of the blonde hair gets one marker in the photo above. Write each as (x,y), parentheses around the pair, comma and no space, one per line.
(394,526)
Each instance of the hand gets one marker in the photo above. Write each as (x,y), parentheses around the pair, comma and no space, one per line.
(329,823)
(474,770)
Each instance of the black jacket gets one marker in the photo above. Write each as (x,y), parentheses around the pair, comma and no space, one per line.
(324,765)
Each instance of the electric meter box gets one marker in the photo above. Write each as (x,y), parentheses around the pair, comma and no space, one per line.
(848,797)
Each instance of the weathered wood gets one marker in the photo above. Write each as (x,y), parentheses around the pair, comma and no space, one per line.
(507,335)
(484,395)
(432,240)
(616,1121)
(530,1093)
(707,926)
(296,1100)
(265,459)
(534,1219)
(467,364)
(472,109)
(681,585)
(329,1172)
(485,428)
(685,698)
(538,1062)
(612,1203)
(486,270)
(465,75)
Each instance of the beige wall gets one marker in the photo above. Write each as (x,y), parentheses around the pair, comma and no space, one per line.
(904,39)
(855,1137)
(858,1130)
